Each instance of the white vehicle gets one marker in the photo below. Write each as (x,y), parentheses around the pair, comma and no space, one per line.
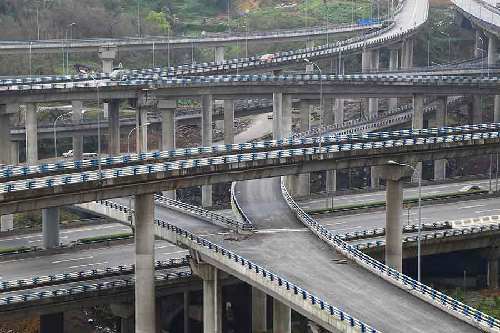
(119,74)
(67,154)
(470,188)
(268,57)
(89,155)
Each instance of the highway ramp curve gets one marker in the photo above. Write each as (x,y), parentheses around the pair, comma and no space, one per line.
(285,246)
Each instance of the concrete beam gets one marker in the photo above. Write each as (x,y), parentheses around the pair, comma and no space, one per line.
(145,319)
(206,141)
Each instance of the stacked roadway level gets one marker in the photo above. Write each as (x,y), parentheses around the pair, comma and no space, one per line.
(316,267)
(73,187)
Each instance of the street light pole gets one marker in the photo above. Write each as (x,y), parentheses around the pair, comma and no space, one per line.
(55,133)
(419,235)
(130,133)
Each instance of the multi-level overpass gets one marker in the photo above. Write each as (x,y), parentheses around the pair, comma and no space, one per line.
(269,162)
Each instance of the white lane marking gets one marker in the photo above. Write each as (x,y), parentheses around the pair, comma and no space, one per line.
(175,252)
(486,210)
(88,229)
(89,265)
(472,206)
(72,259)
(164,246)
(274,231)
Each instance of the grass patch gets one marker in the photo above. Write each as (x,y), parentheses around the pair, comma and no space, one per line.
(97,239)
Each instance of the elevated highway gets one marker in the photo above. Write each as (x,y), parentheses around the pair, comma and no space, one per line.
(172,42)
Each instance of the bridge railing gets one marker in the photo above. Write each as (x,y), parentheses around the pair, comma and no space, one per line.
(172,167)
(406,283)
(86,288)
(258,274)
(204,214)
(94,274)
(9,171)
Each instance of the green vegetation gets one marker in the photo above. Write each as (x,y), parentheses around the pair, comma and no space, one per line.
(408,203)
(96,239)
(11,250)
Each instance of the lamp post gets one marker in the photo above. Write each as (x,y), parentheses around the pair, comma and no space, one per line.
(55,132)
(320,85)
(130,133)
(419,236)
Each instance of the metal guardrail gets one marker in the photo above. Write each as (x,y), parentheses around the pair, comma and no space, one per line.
(235,206)
(377,232)
(94,274)
(8,171)
(260,272)
(169,167)
(204,214)
(120,283)
(348,45)
(406,283)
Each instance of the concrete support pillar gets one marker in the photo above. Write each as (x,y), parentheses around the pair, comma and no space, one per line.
(206,140)
(496,109)
(394,209)
(107,54)
(407,54)
(477,111)
(212,297)
(167,110)
(259,311)
(114,127)
(492,49)
(228,122)
(6,221)
(282,115)
(76,118)
(331,181)
(187,301)
(366,60)
(52,323)
(50,227)
(219,54)
(440,165)
(493,272)
(478,45)
(31,134)
(141,123)
(339,112)
(393,66)
(126,314)
(328,114)
(145,319)
(282,317)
